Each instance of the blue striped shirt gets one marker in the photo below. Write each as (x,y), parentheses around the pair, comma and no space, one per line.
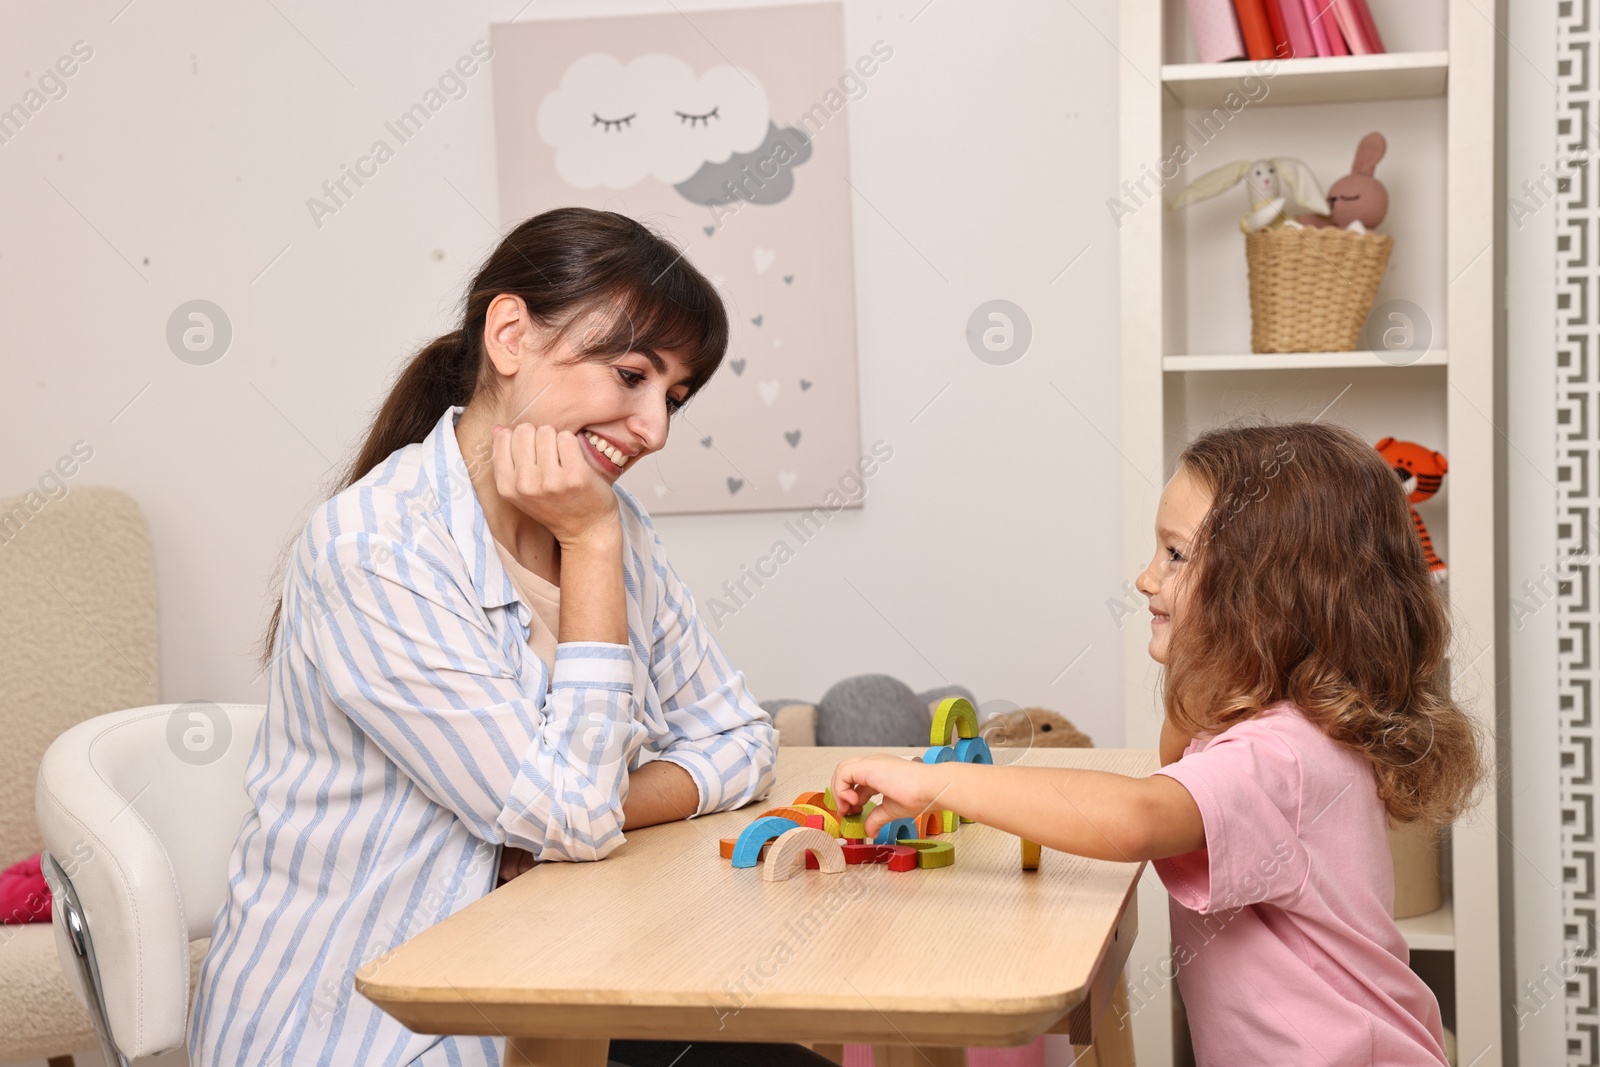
(411,732)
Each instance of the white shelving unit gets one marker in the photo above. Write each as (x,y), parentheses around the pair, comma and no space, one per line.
(1186,365)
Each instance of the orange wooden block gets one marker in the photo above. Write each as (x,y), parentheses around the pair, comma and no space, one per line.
(1030,855)
(931,823)
(815,798)
(798,813)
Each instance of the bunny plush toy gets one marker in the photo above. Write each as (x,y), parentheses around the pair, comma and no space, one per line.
(1358,201)
(1272,184)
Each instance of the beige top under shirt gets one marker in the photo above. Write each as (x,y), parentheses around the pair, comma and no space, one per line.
(544,599)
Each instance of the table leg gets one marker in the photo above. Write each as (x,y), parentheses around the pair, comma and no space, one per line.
(830,1052)
(917,1056)
(1113,1038)
(556,1052)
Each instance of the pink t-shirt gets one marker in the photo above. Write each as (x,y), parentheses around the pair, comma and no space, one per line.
(1281,928)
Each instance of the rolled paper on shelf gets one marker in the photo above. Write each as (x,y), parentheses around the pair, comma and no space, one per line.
(896,829)
(953,715)
(787,856)
(747,849)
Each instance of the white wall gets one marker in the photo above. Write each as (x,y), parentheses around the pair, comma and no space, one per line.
(1531,147)
(178,165)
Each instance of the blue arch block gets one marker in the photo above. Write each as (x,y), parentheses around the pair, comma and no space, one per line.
(939,754)
(894,830)
(747,850)
(973,750)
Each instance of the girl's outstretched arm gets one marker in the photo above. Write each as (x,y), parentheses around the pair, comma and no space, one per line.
(1088,813)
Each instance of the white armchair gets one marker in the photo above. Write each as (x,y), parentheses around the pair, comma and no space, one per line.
(139,810)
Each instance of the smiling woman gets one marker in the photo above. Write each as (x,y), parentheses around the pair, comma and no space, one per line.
(480,648)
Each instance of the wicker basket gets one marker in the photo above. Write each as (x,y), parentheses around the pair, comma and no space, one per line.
(1311,289)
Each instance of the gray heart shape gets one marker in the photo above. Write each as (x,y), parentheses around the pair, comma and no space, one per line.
(706,441)
(793,437)
(757,319)
(734,485)
(737,365)
(788,279)
(709,230)
(804,385)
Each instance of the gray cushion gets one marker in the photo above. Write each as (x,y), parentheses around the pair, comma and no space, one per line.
(872,709)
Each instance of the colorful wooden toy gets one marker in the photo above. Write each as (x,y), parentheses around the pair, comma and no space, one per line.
(1030,855)
(949,821)
(787,857)
(854,827)
(973,750)
(798,813)
(932,854)
(939,754)
(896,829)
(866,852)
(747,849)
(726,846)
(954,715)
(930,823)
(904,859)
(815,799)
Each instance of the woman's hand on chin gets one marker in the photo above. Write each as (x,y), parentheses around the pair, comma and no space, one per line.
(545,475)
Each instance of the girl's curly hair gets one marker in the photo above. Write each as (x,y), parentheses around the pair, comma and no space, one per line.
(1310,587)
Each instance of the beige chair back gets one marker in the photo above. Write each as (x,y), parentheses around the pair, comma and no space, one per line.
(77,632)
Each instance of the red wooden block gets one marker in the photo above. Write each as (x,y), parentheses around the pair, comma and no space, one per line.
(903,858)
(865,852)
(817,822)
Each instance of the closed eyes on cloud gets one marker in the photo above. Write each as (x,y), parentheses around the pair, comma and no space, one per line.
(696,120)
(607,125)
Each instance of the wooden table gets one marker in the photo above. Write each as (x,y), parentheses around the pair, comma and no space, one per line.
(665,940)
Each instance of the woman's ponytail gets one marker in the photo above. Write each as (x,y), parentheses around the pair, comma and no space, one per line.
(443,374)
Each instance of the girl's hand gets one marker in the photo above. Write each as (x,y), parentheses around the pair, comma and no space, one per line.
(909,788)
(545,475)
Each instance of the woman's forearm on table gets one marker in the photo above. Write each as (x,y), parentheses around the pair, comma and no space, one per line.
(659,792)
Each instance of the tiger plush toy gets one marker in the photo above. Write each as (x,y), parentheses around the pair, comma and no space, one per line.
(1420,471)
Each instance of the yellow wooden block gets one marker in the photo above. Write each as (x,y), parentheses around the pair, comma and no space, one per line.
(830,822)
(949,822)
(931,854)
(1030,855)
(954,716)
(854,827)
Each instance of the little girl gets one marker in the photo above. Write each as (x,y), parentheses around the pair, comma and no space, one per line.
(1307,705)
